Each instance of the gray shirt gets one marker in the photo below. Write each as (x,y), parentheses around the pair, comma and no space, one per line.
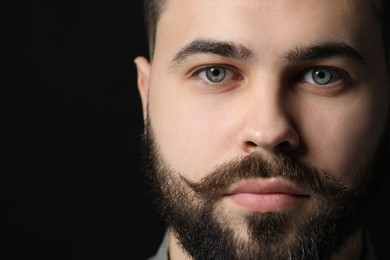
(162,253)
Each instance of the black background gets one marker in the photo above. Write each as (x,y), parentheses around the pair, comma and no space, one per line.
(71,183)
(71,180)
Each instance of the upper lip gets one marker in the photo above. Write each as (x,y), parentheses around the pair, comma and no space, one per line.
(260,185)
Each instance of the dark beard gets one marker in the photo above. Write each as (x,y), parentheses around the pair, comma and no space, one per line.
(339,211)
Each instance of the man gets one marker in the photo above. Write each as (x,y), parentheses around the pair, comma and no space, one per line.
(265,126)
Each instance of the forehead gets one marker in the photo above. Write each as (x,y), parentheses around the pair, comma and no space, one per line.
(316,6)
(254,22)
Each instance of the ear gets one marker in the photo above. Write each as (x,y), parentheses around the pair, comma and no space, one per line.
(143,72)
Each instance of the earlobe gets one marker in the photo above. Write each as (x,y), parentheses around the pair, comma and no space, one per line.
(143,71)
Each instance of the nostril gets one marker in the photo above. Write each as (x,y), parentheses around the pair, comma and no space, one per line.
(283,147)
(281,137)
(250,144)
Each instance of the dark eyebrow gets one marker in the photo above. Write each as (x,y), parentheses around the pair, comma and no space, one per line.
(325,50)
(221,48)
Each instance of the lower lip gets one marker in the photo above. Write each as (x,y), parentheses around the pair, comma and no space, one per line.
(266,202)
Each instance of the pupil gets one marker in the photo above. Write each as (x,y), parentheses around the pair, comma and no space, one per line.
(215,72)
(321,74)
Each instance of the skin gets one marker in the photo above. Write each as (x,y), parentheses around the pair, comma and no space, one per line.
(268,103)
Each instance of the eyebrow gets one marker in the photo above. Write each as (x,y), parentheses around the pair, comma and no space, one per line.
(239,52)
(324,50)
(220,48)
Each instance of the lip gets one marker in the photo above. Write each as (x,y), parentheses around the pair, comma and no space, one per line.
(266,194)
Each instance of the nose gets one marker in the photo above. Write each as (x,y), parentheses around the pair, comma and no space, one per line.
(268,124)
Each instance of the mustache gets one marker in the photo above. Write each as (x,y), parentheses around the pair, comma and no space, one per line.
(215,184)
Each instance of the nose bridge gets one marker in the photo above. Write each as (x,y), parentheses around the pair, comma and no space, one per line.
(267,119)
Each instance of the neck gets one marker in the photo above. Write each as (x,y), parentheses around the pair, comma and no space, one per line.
(352,250)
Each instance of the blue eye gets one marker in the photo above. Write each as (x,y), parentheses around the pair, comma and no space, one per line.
(214,74)
(322,76)
(217,77)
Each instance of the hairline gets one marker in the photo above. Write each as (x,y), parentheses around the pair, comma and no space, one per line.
(153,10)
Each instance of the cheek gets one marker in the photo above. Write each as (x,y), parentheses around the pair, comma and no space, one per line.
(343,138)
(191,132)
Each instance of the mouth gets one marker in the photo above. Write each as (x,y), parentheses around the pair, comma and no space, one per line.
(266,195)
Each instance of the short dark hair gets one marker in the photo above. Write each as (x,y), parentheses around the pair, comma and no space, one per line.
(152,14)
(154,8)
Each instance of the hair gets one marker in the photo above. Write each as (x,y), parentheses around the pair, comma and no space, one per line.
(152,14)
(154,8)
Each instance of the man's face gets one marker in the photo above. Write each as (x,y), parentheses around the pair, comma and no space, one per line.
(264,119)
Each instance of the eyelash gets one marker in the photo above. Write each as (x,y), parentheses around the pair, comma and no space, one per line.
(232,74)
(337,76)
(302,77)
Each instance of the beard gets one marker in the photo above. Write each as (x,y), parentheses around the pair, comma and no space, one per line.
(206,231)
